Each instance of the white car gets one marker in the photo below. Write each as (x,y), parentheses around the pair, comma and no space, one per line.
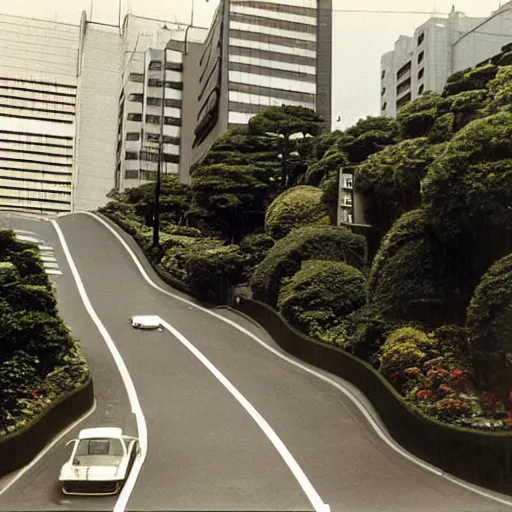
(100,462)
(146,322)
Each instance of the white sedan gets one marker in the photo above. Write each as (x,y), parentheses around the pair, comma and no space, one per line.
(100,462)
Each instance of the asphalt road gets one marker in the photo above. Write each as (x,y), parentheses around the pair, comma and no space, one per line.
(205,452)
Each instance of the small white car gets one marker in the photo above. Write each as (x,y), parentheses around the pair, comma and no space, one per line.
(100,462)
(146,322)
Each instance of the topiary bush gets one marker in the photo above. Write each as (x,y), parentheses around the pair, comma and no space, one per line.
(296,207)
(406,348)
(500,91)
(287,255)
(390,180)
(256,247)
(212,271)
(417,117)
(489,322)
(320,295)
(409,279)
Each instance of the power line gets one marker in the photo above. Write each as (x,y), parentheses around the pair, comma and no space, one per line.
(372,11)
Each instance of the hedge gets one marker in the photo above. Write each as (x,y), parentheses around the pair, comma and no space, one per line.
(285,258)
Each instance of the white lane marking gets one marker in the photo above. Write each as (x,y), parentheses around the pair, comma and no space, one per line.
(53,272)
(292,464)
(381,433)
(123,371)
(48,259)
(47,448)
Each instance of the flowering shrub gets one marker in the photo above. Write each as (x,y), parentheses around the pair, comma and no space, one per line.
(450,409)
(425,394)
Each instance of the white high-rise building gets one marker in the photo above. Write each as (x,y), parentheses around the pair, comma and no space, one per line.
(440,47)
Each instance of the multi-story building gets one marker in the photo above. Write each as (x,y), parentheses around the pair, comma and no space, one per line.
(258,53)
(153,56)
(38,96)
(421,63)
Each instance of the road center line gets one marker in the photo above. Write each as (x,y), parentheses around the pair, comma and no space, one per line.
(123,371)
(297,471)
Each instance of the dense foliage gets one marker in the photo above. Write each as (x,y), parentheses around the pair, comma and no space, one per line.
(39,359)
(308,243)
(296,207)
(320,295)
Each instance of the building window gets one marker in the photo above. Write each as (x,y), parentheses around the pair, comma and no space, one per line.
(348,183)
(383,91)
(155,65)
(154,82)
(135,97)
(173,121)
(174,85)
(383,74)
(175,159)
(154,101)
(174,66)
(131,175)
(133,136)
(149,156)
(421,89)
(403,70)
(403,87)
(421,38)
(385,106)
(420,57)
(136,77)
(403,101)
(350,218)
(152,119)
(130,155)
(421,73)
(134,117)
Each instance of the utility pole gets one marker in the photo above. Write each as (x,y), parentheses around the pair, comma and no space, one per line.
(156,221)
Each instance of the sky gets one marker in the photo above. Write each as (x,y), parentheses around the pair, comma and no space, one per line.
(359,39)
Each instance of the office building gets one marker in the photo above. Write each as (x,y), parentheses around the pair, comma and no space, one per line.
(423,62)
(38,97)
(257,54)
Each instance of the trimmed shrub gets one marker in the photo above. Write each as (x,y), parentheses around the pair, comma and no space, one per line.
(406,348)
(212,271)
(256,247)
(490,327)
(287,255)
(30,297)
(390,180)
(8,273)
(417,117)
(296,207)
(320,295)
(442,129)
(409,278)
(500,91)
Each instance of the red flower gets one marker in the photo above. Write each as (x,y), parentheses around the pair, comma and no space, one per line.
(458,376)
(437,372)
(443,388)
(425,393)
(34,394)
(412,372)
(489,398)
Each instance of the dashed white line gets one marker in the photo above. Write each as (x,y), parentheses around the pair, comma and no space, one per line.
(123,371)
(376,427)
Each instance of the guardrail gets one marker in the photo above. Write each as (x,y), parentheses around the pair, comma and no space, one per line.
(480,457)
(21,447)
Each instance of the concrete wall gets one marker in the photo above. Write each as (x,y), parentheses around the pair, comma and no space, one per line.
(99,85)
(484,41)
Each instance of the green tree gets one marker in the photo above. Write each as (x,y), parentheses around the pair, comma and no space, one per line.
(489,322)
(368,136)
(467,193)
(320,295)
(235,196)
(308,243)
(417,117)
(289,125)
(296,207)
(390,180)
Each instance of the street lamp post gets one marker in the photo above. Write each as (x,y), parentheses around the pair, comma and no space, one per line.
(156,221)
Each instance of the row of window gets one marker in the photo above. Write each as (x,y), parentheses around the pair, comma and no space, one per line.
(131,174)
(155,66)
(153,137)
(150,156)
(151,100)
(153,119)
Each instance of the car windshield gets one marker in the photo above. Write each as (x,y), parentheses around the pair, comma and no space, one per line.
(98,452)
